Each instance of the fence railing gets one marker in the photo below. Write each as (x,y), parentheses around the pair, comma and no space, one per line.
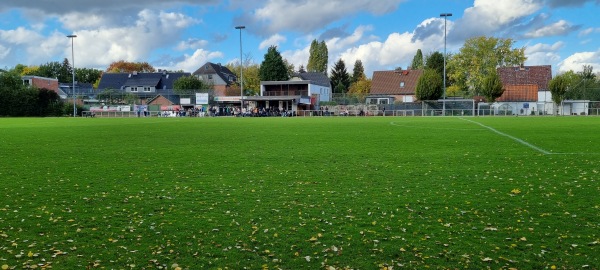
(429,108)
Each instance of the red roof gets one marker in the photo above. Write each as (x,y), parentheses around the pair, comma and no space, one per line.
(524,75)
(402,82)
(525,92)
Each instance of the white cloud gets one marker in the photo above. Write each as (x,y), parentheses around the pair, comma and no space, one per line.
(543,54)
(576,61)
(541,47)
(561,27)
(192,62)
(76,21)
(20,36)
(336,48)
(308,15)
(274,40)
(151,31)
(488,16)
(191,43)
(588,31)
(397,50)
(4,51)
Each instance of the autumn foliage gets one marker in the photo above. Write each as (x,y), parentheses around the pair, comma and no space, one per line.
(123,66)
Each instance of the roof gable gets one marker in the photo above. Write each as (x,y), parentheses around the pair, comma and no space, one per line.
(402,82)
(316,78)
(523,75)
(216,69)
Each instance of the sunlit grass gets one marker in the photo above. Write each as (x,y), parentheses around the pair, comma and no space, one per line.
(300,193)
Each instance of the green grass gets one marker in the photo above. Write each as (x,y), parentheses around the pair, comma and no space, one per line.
(300,193)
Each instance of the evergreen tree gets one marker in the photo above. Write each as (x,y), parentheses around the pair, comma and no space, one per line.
(301,69)
(358,72)
(429,86)
(273,68)
(417,62)
(435,61)
(492,87)
(65,73)
(340,79)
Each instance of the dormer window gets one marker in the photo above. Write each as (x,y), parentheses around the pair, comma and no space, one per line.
(401,84)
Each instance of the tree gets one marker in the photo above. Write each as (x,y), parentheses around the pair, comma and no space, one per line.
(128,67)
(290,68)
(318,58)
(65,73)
(478,58)
(360,88)
(273,67)
(49,70)
(435,61)
(340,79)
(429,86)
(301,69)
(358,72)
(558,87)
(188,85)
(87,75)
(492,87)
(417,62)
(107,95)
(583,84)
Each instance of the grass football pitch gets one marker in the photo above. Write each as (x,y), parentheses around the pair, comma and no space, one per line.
(300,193)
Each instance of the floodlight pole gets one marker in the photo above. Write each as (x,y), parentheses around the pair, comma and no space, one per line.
(72,37)
(241,27)
(445,15)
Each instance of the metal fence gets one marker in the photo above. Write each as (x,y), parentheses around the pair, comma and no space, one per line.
(464,107)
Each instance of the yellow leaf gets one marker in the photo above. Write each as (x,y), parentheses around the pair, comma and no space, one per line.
(30,254)
(4,267)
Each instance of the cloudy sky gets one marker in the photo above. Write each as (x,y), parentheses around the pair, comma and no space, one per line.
(383,34)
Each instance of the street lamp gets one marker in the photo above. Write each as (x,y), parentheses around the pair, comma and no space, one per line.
(445,15)
(72,37)
(241,70)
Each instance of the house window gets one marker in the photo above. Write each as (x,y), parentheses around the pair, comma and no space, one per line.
(26,82)
(134,89)
(210,76)
(147,89)
(401,84)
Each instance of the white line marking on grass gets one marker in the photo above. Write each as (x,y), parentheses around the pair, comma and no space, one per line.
(511,137)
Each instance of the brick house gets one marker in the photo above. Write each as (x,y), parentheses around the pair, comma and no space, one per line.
(219,76)
(42,82)
(525,90)
(394,85)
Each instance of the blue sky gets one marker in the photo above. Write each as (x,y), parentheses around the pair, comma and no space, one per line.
(383,34)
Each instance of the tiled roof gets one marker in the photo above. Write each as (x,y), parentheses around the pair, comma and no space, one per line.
(403,82)
(159,80)
(523,92)
(538,75)
(219,70)
(317,78)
